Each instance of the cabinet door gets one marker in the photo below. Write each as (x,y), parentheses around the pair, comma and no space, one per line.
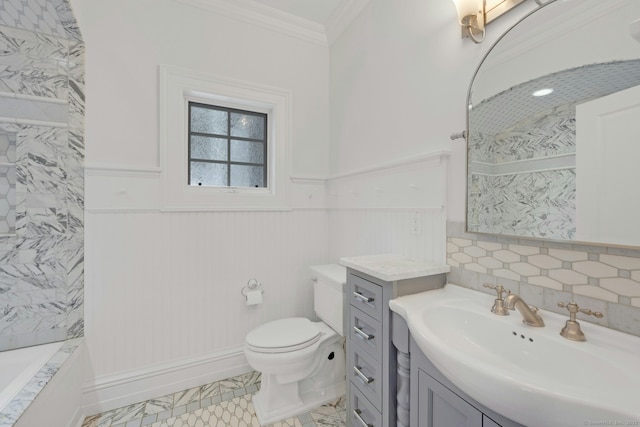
(440,407)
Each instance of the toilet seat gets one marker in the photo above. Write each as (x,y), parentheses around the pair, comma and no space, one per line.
(283,336)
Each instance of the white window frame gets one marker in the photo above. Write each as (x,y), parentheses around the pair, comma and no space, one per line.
(179,86)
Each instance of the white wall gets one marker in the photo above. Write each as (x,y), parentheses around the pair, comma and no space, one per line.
(399,81)
(163,289)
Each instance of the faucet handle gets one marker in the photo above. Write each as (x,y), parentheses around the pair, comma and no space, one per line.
(499,289)
(571,330)
(575,308)
(498,305)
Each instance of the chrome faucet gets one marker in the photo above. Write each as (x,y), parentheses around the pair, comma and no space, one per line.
(530,315)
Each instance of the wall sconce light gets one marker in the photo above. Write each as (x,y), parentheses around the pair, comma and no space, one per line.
(473,15)
(471,18)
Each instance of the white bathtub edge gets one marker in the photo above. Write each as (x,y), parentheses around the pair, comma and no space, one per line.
(48,399)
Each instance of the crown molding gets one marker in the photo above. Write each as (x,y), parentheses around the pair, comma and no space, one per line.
(252,12)
(255,13)
(342,17)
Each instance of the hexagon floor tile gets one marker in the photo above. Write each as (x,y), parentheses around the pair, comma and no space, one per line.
(224,403)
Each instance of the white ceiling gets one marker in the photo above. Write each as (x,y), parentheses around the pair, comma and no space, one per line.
(318,11)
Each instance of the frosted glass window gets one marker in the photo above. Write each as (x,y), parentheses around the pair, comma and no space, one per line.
(207,148)
(247,176)
(205,173)
(247,151)
(207,120)
(247,126)
(227,146)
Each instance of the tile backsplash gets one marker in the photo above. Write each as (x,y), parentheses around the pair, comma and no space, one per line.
(605,279)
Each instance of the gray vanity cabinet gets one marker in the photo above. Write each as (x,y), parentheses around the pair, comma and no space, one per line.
(434,401)
(440,407)
(371,357)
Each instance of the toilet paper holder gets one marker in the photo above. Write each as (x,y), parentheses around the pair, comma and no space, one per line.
(252,285)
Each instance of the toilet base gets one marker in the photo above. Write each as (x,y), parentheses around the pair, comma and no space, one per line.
(309,399)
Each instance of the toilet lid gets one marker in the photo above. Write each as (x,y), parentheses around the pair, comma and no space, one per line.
(283,335)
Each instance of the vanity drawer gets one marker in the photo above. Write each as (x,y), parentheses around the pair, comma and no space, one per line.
(363,413)
(365,332)
(366,296)
(365,372)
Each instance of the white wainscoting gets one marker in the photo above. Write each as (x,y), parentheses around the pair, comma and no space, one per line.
(396,207)
(163,288)
(163,308)
(378,231)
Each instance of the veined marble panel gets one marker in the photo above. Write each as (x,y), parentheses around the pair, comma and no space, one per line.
(42,264)
(537,204)
(33,64)
(548,135)
(68,21)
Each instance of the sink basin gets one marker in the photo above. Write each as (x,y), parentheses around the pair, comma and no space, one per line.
(530,375)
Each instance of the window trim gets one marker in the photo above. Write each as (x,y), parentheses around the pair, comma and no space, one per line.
(179,86)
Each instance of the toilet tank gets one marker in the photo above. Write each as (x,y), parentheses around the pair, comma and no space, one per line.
(328,298)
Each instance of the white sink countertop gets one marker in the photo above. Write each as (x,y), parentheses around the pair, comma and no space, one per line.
(392,267)
(531,375)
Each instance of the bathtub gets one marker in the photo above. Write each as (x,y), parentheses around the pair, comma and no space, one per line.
(40,385)
(17,367)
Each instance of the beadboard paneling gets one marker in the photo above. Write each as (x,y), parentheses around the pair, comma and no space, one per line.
(417,233)
(166,286)
(396,207)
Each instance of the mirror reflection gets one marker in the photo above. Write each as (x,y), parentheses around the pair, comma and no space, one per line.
(552,134)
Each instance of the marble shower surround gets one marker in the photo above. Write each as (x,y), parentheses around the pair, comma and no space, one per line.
(605,279)
(42,104)
(535,203)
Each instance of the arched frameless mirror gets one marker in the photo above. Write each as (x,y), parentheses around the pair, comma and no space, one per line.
(553,128)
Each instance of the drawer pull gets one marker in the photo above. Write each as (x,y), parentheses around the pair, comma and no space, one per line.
(363,334)
(363,298)
(365,379)
(357,413)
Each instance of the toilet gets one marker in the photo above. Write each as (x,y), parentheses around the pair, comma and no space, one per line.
(302,362)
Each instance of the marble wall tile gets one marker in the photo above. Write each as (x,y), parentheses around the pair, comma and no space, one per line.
(40,16)
(42,263)
(68,21)
(31,63)
(526,204)
(596,277)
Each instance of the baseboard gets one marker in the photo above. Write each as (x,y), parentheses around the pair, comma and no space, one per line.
(115,391)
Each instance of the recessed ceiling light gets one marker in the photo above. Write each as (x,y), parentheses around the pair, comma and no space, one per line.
(542,92)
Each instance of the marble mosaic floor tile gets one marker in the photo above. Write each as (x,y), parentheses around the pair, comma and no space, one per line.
(223,403)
